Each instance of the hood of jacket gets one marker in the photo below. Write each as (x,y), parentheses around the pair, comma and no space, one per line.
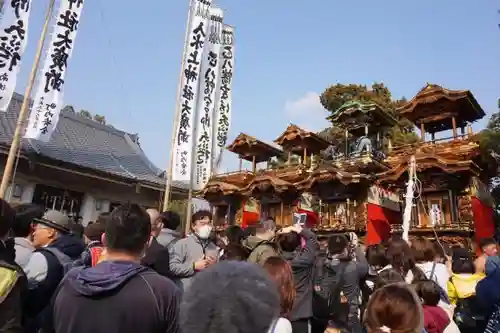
(253,241)
(487,290)
(435,319)
(104,277)
(69,245)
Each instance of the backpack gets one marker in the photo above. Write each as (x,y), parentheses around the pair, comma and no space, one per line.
(467,315)
(65,261)
(329,301)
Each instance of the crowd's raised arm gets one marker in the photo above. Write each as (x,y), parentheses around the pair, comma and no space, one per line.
(132,271)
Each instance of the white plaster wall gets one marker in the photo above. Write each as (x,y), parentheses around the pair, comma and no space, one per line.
(28,192)
(88,212)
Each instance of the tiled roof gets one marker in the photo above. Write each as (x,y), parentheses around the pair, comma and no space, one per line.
(86,143)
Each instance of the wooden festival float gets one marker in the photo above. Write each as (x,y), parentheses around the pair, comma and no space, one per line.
(358,185)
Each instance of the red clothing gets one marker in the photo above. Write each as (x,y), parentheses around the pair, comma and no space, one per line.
(435,319)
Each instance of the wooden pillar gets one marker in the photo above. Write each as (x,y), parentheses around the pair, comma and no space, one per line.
(241,164)
(305,156)
(462,131)
(389,144)
(254,164)
(346,143)
(347,211)
(328,215)
(433,137)
(289,160)
(469,131)
(422,132)
(281,213)
(454,126)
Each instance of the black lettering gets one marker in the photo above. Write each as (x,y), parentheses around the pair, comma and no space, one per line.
(53,81)
(9,52)
(20,5)
(68,20)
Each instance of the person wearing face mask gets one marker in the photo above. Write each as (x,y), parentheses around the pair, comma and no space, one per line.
(194,253)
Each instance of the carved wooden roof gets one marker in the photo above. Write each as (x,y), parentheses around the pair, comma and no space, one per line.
(328,173)
(354,115)
(451,157)
(297,139)
(267,184)
(247,147)
(435,106)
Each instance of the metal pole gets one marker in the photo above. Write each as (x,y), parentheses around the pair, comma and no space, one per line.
(11,158)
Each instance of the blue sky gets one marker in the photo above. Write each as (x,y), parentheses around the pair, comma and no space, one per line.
(127,58)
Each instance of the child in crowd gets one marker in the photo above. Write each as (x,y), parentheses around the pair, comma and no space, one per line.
(435,318)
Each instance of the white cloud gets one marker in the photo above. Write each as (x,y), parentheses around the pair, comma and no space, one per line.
(307,112)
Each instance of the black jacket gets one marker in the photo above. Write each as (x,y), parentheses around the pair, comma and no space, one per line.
(302,263)
(354,272)
(157,258)
(68,249)
(13,291)
(114,297)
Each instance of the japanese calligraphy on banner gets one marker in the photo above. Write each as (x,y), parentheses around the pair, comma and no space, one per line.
(48,98)
(209,84)
(13,40)
(194,45)
(224,98)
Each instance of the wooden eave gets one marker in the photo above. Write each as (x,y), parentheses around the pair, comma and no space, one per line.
(455,150)
(267,183)
(351,110)
(327,174)
(219,188)
(296,139)
(427,162)
(434,104)
(247,147)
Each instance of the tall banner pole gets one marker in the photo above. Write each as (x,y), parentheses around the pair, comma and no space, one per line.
(177,115)
(11,158)
(186,156)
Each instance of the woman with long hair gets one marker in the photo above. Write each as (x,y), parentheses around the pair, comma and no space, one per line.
(281,273)
(400,257)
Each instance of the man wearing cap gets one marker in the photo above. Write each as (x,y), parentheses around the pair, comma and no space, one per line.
(56,249)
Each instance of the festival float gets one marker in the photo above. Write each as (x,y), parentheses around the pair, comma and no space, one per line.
(360,185)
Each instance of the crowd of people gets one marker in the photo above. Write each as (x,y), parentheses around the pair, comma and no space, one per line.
(132,271)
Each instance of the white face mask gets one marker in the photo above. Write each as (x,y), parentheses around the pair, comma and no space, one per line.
(204,232)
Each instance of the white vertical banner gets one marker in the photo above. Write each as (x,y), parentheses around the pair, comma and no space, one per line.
(209,84)
(194,45)
(13,40)
(47,103)
(224,98)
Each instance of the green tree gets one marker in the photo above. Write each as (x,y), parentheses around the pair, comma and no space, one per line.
(337,95)
(100,119)
(85,113)
(282,161)
(489,142)
(68,108)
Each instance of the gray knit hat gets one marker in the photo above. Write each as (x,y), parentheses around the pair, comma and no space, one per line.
(230,297)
